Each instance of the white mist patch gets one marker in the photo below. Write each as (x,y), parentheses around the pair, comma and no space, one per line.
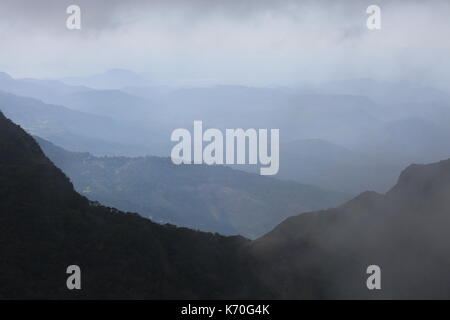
(236,146)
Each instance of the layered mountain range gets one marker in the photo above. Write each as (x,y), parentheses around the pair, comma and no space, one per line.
(209,198)
(347,136)
(46,226)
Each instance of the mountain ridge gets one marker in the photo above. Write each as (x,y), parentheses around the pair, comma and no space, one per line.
(210,198)
(404,231)
(45,226)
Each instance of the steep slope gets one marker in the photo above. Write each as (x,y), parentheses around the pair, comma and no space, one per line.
(46,226)
(209,198)
(325,254)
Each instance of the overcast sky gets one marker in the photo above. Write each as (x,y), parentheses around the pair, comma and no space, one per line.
(258,42)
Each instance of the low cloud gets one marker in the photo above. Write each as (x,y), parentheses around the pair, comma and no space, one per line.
(252,42)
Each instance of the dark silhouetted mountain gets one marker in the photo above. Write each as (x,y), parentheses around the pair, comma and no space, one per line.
(405,231)
(45,226)
(209,198)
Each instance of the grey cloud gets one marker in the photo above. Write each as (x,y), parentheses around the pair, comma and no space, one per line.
(100,14)
(227,39)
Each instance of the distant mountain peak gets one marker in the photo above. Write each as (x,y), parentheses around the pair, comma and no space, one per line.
(5,76)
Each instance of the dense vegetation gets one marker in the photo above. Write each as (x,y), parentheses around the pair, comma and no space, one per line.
(46,226)
(209,198)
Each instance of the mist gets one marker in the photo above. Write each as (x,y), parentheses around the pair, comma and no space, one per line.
(88,173)
(263,43)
